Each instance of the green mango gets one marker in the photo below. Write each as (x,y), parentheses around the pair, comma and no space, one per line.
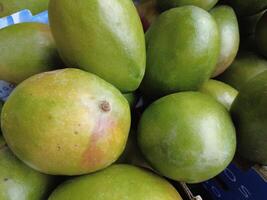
(102,37)
(205,4)
(26,49)
(250,117)
(8,7)
(248,7)
(18,181)
(229,36)
(182,51)
(187,136)
(75,120)
(116,183)
(223,93)
(246,66)
(261,35)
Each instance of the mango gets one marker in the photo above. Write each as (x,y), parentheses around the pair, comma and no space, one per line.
(246,66)
(261,35)
(18,181)
(250,117)
(187,136)
(102,37)
(222,92)
(229,37)
(8,7)
(117,182)
(182,51)
(205,4)
(248,7)
(66,122)
(26,49)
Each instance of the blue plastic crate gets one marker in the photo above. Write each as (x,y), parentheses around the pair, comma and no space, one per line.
(19,17)
(237,184)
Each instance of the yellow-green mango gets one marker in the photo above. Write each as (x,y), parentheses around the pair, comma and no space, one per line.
(66,122)
(222,92)
(8,7)
(18,181)
(118,182)
(26,49)
(182,51)
(102,37)
(229,36)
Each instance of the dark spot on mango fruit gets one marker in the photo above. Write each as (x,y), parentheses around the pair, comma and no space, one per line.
(6,179)
(105,106)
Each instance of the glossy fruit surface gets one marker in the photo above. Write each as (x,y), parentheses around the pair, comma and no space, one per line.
(229,36)
(187,136)
(18,181)
(117,182)
(182,51)
(222,92)
(102,37)
(26,49)
(67,122)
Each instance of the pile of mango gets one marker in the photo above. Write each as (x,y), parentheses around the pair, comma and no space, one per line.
(115,98)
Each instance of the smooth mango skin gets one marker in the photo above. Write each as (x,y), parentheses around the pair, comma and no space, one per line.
(222,92)
(246,66)
(8,7)
(261,35)
(250,117)
(229,36)
(182,51)
(117,182)
(102,37)
(66,122)
(187,137)
(205,4)
(18,181)
(248,7)
(26,49)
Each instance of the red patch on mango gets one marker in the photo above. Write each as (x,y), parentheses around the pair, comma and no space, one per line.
(94,157)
